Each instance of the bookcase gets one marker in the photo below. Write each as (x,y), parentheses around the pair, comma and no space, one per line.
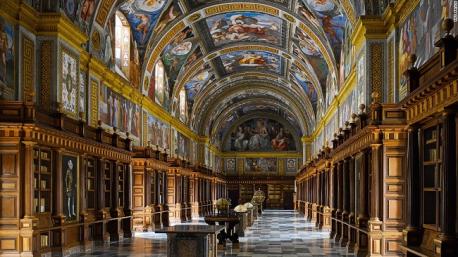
(91,183)
(431,171)
(274,196)
(120,184)
(42,180)
(107,183)
(246,193)
(153,188)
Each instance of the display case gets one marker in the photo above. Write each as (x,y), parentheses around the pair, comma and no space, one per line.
(120,181)
(91,182)
(431,170)
(42,180)
(107,184)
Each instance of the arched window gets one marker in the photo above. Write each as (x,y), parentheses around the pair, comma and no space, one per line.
(182,103)
(122,45)
(159,80)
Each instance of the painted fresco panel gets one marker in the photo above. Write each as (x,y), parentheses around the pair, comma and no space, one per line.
(419,33)
(142,16)
(230,164)
(7,72)
(260,165)
(176,53)
(291,165)
(170,14)
(245,27)
(158,132)
(302,80)
(239,61)
(332,21)
(69,82)
(116,111)
(260,135)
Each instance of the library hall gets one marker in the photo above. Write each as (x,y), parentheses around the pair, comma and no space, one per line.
(235,128)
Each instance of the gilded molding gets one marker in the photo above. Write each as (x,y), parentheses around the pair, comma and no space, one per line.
(103,11)
(58,25)
(94,103)
(377,68)
(391,46)
(28,64)
(46,63)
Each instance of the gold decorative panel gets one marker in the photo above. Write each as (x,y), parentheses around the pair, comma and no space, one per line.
(103,12)
(46,75)
(390,72)
(94,102)
(28,57)
(377,67)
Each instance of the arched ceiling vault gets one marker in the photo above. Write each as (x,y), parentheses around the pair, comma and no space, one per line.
(239,92)
(236,55)
(221,125)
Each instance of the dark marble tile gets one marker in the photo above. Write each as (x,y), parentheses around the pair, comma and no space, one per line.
(275,234)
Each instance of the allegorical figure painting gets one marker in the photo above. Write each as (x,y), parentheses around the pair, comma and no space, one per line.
(158,132)
(69,84)
(6,60)
(116,111)
(70,182)
(142,16)
(245,26)
(254,60)
(260,165)
(260,135)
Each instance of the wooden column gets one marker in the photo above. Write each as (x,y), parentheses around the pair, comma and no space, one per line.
(377,155)
(363,193)
(58,211)
(351,217)
(412,234)
(346,202)
(340,193)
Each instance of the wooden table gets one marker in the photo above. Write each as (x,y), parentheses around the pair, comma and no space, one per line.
(191,240)
(229,221)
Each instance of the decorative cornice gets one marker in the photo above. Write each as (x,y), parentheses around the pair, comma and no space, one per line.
(58,25)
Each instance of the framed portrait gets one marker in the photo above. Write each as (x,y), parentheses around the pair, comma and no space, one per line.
(70,189)
(7,56)
(69,82)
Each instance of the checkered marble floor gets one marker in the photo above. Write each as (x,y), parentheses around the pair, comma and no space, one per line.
(277,233)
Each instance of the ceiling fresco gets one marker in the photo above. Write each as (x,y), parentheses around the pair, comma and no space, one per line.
(201,58)
(252,61)
(237,27)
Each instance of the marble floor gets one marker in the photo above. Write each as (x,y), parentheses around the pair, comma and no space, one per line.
(276,233)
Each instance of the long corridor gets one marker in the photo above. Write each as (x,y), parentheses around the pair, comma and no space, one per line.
(276,233)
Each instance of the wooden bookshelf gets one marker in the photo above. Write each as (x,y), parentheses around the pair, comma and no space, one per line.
(42,180)
(153,188)
(120,184)
(246,193)
(430,172)
(274,196)
(107,184)
(91,183)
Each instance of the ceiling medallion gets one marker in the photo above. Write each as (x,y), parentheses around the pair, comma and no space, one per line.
(96,40)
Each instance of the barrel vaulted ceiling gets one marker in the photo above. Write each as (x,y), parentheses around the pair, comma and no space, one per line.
(234,59)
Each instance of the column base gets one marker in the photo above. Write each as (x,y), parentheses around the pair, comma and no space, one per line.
(412,236)
(445,246)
